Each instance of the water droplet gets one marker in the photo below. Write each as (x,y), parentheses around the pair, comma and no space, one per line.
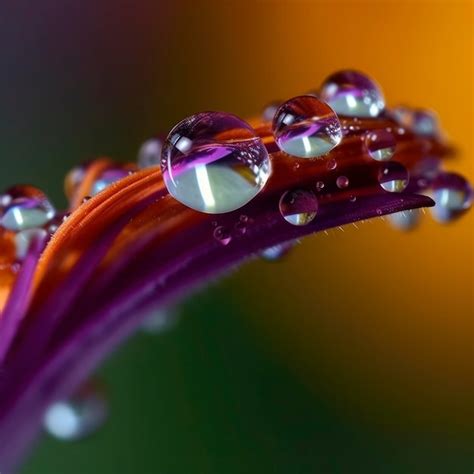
(342,182)
(107,178)
(331,164)
(425,123)
(222,235)
(380,144)
(270,110)
(74,178)
(28,208)
(319,186)
(160,321)
(353,94)
(244,218)
(352,198)
(405,220)
(276,252)
(420,121)
(422,183)
(379,211)
(149,154)
(453,196)
(298,207)
(78,417)
(240,227)
(306,127)
(214,162)
(24,238)
(393,177)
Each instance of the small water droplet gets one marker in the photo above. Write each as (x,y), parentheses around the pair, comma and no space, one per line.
(353,94)
(107,178)
(214,162)
(453,196)
(159,321)
(352,198)
(240,227)
(422,182)
(379,211)
(298,207)
(305,127)
(331,164)
(405,220)
(149,154)
(393,177)
(420,121)
(380,144)
(270,110)
(78,417)
(342,182)
(222,235)
(319,186)
(276,252)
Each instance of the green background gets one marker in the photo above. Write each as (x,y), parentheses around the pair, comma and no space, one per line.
(353,355)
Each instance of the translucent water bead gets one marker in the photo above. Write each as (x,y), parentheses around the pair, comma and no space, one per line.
(380,144)
(276,252)
(393,177)
(107,178)
(453,196)
(149,154)
(25,207)
(405,220)
(78,417)
(353,94)
(420,121)
(214,162)
(306,127)
(299,207)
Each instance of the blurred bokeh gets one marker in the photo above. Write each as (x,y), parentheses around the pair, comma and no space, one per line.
(355,354)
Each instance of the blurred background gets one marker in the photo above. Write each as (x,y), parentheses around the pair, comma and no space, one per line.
(353,355)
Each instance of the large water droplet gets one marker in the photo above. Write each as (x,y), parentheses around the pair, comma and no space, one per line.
(78,417)
(405,220)
(28,207)
(149,154)
(380,144)
(214,162)
(453,196)
(353,94)
(306,127)
(298,207)
(393,177)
